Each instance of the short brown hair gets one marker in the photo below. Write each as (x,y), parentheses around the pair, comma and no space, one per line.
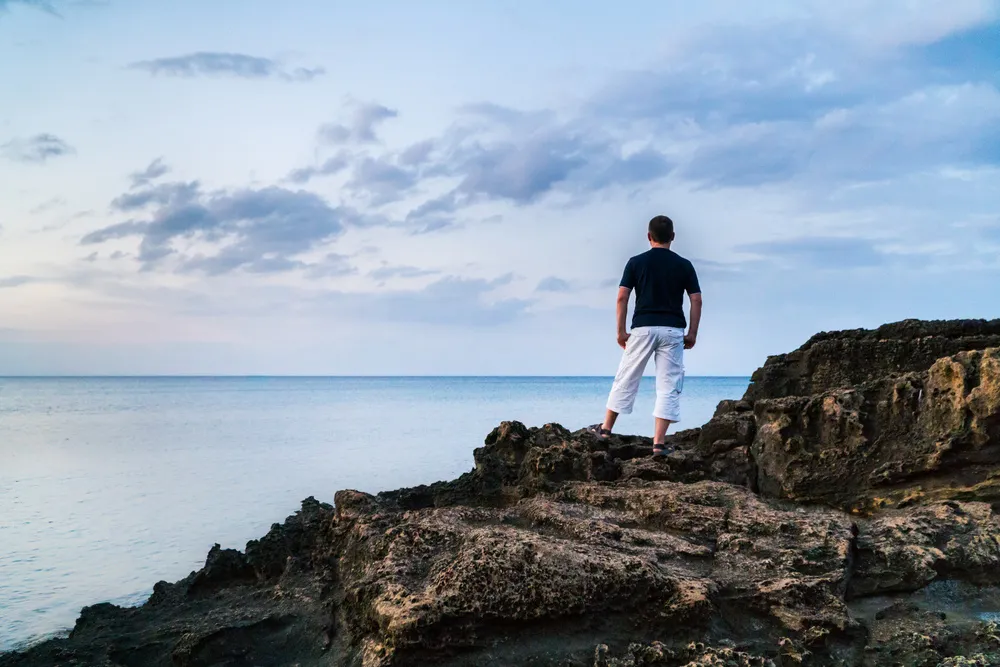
(661,229)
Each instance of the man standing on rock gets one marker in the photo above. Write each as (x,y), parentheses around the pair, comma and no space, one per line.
(659,277)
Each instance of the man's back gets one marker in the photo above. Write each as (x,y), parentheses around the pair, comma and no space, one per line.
(660,277)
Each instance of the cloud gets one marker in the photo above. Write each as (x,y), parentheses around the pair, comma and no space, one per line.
(730,108)
(639,167)
(553,284)
(239,65)
(94,256)
(497,115)
(445,204)
(451,301)
(45,5)
(164,194)
(448,301)
(155,170)
(493,154)
(118,231)
(741,270)
(938,125)
(329,167)
(439,214)
(15,281)
(378,177)
(37,149)
(819,252)
(735,76)
(433,214)
(256,230)
(381,180)
(746,109)
(385,272)
(417,154)
(518,171)
(361,128)
(48,205)
(434,225)
(332,265)
(502,154)
(735,108)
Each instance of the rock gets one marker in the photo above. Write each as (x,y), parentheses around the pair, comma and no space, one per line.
(299,534)
(694,654)
(906,550)
(846,358)
(591,561)
(922,437)
(723,447)
(813,522)
(905,633)
(223,567)
(518,462)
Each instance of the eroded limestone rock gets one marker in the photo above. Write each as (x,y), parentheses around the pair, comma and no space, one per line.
(917,437)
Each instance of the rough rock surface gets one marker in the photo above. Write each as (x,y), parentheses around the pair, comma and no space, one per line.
(856,525)
(835,360)
(903,439)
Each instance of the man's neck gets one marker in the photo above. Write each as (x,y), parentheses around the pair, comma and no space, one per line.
(665,246)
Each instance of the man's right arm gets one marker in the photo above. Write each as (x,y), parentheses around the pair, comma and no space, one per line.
(621,314)
(625,288)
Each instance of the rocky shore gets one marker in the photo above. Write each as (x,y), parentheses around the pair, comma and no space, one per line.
(844,512)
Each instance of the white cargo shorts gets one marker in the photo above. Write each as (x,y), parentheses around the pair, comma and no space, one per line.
(666,346)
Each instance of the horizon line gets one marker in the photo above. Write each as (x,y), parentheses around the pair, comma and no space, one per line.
(344,377)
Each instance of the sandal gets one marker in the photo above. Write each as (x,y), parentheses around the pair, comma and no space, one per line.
(599,430)
(661,450)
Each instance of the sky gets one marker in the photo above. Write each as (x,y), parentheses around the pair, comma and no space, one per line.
(400,188)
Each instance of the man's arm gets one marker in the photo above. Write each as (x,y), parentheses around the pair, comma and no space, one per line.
(692,335)
(621,312)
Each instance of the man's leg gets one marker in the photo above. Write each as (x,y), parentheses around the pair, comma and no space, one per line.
(660,427)
(669,362)
(610,417)
(637,352)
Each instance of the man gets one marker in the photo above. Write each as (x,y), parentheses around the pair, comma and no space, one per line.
(659,277)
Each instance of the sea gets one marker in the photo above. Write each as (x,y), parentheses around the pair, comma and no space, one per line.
(108,485)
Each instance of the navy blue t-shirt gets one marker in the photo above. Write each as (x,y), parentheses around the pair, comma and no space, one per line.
(660,277)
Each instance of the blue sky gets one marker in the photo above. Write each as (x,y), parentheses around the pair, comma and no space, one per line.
(453,188)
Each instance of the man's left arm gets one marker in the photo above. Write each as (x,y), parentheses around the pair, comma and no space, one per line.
(694,295)
(692,335)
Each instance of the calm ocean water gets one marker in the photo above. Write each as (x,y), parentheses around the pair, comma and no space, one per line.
(110,485)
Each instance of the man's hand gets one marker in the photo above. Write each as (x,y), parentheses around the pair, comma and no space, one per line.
(623,339)
(689,340)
